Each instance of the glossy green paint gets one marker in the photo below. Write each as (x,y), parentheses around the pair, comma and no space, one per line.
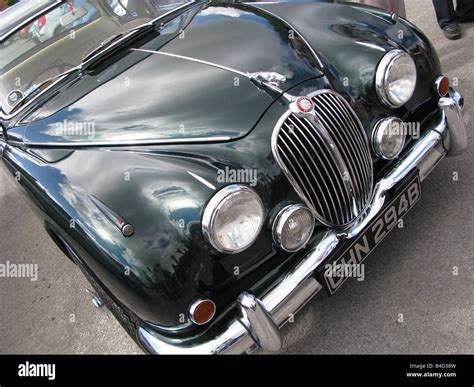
(140,96)
(167,263)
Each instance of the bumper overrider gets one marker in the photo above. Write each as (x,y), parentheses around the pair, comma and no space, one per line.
(258,320)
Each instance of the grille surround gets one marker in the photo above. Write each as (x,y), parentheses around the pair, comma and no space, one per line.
(327,159)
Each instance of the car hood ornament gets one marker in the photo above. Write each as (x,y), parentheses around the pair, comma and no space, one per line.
(270,77)
(269,80)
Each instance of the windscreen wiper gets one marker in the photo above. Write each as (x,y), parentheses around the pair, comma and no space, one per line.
(106,48)
(107,42)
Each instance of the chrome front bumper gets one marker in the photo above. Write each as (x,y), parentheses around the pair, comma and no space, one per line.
(258,321)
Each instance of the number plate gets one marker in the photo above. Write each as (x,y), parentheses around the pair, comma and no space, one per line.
(386,221)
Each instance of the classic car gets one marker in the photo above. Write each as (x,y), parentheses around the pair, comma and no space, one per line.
(211,170)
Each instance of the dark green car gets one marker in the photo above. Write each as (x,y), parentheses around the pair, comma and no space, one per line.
(213,165)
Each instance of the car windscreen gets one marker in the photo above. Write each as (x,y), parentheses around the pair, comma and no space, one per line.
(60,38)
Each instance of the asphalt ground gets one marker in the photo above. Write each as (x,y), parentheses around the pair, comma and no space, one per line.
(417,296)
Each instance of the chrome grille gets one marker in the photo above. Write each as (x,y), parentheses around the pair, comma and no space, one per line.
(327,159)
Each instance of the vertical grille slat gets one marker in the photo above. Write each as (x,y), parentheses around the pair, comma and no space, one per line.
(315,180)
(331,163)
(313,197)
(352,140)
(357,134)
(317,164)
(361,142)
(335,129)
(315,152)
(354,152)
(323,160)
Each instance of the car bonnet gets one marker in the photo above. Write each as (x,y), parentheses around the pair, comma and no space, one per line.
(141,97)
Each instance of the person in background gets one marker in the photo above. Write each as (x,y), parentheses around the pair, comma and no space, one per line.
(449,18)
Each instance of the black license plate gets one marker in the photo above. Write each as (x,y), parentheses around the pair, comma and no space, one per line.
(345,266)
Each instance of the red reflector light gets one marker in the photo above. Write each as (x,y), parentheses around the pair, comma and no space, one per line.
(442,86)
(202,311)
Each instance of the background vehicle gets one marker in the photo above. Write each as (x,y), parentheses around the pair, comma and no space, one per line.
(48,25)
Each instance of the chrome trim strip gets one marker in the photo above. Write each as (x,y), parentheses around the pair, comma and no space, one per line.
(371,45)
(189,140)
(297,287)
(202,180)
(266,78)
(246,75)
(95,299)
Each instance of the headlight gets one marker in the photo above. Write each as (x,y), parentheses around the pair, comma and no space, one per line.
(293,227)
(388,138)
(233,218)
(395,79)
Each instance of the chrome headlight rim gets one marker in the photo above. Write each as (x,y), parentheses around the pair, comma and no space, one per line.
(378,133)
(216,203)
(280,220)
(382,74)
